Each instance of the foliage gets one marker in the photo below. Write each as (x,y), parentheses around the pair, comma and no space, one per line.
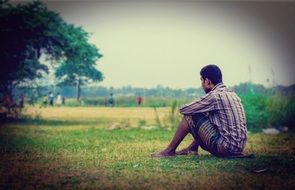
(183,95)
(157,118)
(246,88)
(80,69)
(29,30)
(269,111)
(255,109)
(281,111)
(290,113)
(173,118)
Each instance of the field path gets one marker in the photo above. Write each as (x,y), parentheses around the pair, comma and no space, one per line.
(92,113)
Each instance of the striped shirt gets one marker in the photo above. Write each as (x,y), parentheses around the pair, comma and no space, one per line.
(225,110)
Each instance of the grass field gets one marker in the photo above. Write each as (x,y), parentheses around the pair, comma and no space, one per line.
(107,148)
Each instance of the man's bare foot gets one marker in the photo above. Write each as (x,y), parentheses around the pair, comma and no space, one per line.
(186,152)
(163,154)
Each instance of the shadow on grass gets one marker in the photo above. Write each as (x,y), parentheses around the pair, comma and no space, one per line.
(282,166)
(276,165)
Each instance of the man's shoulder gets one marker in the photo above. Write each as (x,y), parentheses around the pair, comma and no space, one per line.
(223,91)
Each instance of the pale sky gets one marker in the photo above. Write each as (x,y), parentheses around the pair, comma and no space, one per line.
(149,43)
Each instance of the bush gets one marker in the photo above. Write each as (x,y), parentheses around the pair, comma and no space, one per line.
(255,109)
(290,114)
(269,111)
(281,111)
(94,101)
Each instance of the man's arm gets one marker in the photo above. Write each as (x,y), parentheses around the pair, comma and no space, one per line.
(205,104)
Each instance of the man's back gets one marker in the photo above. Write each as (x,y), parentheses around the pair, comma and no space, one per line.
(229,117)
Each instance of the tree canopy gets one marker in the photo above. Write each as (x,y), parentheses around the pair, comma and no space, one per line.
(30,30)
(80,69)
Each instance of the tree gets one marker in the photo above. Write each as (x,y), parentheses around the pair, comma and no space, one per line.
(77,73)
(80,69)
(30,30)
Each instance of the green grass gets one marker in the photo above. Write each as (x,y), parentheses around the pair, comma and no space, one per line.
(61,154)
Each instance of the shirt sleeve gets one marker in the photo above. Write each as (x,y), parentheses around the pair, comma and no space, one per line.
(205,104)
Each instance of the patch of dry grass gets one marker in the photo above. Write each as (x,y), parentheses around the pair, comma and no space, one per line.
(108,117)
(92,113)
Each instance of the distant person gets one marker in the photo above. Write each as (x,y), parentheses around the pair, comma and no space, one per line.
(58,99)
(51,98)
(139,100)
(216,121)
(111,100)
(33,98)
(8,101)
(63,100)
(9,104)
(106,101)
(44,101)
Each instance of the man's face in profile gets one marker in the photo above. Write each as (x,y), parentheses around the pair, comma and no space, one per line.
(205,85)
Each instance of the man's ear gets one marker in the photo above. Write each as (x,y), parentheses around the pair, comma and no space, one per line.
(208,81)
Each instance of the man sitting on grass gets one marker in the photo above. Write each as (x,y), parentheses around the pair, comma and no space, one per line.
(216,121)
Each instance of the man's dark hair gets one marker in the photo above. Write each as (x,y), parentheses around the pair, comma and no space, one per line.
(211,72)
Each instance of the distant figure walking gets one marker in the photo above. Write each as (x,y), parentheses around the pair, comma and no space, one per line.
(139,100)
(111,100)
(58,99)
(63,100)
(51,98)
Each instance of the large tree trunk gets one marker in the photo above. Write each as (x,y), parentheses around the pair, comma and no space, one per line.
(78,89)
